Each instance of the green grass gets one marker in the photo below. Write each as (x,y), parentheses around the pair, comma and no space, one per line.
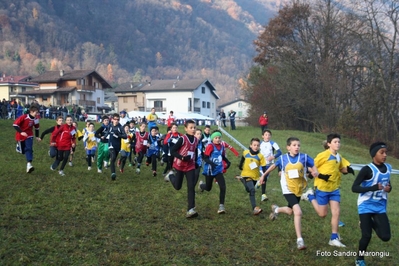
(86,219)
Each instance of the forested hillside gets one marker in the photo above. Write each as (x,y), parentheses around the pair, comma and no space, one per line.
(129,40)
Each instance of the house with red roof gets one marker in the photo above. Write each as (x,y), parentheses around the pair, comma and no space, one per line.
(15,87)
(84,88)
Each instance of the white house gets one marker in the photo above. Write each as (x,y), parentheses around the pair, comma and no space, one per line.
(240,106)
(180,96)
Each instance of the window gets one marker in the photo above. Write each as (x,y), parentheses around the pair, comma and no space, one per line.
(23,89)
(203,90)
(158,104)
(44,98)
(208,105)
(98,100)
(239,104)
(203,104)
(125,99)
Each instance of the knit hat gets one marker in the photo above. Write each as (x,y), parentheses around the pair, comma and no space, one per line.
(216,134)
(375,147)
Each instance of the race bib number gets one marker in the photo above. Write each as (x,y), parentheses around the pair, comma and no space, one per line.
(293,173)
(73,132)
(174,141)
(126,140)
(191,154)
(253,165)
(145,142)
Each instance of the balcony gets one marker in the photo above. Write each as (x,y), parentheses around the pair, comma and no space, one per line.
(196,109)
(86,103)
(85,88)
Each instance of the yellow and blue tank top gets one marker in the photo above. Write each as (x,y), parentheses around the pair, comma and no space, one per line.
(329,164)
(252,165)
(293,172)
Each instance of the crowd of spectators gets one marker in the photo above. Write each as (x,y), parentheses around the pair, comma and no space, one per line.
(14,108)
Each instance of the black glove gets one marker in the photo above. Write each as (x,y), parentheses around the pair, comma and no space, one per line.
(186,158)
(324,177)
(309,175)
(350,170)
(213,165)
(228,165)
(197,166)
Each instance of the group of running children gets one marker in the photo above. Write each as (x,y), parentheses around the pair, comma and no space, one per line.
(186,154)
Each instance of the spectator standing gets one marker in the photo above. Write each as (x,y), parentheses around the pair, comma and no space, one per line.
(20,109)
(232,115)
(222,116)
(4,109)
(263,121)
(64,111)
(152,119)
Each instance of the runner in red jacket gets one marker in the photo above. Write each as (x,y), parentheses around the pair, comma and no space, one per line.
(64,139)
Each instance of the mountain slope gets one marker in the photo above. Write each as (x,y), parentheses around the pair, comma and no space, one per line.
(155,38)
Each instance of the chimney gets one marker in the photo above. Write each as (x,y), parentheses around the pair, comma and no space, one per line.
(178,78)
(61,73)
(131,85)
(174,84)
(149,83)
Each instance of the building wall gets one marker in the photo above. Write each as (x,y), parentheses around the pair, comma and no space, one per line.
(172,101)
(68,83)
(179,101)
(241,108)
(206,97)
(130,101)
(98,97)
(50,86)
(4,92)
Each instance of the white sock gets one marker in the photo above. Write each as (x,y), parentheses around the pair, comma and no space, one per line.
(299,239)
(276,210)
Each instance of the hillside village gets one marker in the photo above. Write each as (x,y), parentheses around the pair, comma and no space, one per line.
(86,92)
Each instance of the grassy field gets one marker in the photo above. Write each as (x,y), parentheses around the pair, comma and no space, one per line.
(84,218)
